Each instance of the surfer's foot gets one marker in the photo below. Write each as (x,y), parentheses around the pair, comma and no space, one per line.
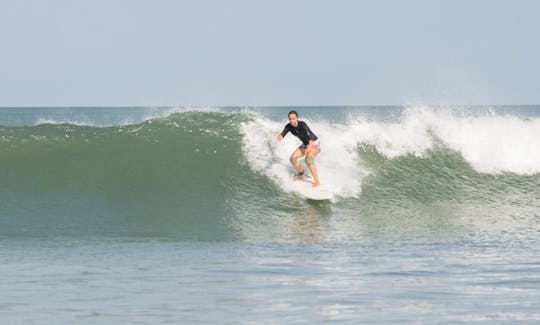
(299,176)
(315,184)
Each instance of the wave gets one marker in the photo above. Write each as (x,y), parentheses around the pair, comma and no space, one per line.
(490,144)
(204,165)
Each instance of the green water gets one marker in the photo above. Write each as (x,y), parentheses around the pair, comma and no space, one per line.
(168,215)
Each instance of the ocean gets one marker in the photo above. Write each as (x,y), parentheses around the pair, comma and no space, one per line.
(186,215)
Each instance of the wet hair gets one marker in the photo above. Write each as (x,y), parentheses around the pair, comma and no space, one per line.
(293,112)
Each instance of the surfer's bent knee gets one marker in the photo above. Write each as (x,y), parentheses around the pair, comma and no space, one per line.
(310,160)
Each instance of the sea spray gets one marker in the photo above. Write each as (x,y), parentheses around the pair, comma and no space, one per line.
(337,163)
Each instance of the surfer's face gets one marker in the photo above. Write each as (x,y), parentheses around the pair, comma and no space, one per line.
(293,119)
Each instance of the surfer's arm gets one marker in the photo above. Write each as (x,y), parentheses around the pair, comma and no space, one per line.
(283,133)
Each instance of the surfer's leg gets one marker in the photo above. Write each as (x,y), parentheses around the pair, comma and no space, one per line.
(310,161)
(297,154)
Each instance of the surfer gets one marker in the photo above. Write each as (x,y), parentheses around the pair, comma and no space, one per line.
(310,146)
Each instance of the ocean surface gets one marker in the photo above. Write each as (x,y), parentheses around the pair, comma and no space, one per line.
(187,215)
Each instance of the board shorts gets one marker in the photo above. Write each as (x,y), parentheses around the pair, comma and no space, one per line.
(316,145)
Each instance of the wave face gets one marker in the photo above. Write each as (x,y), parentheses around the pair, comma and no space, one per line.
(218,174)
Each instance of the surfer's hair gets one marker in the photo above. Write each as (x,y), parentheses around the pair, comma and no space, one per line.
(293,112)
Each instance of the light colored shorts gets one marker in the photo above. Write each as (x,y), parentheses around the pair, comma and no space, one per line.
(316,145)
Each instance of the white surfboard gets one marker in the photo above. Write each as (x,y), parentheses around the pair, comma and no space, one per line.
(304,188)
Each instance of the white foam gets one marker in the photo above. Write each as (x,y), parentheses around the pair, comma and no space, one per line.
(490,143)
(41,121)
(337,163)
(493,143)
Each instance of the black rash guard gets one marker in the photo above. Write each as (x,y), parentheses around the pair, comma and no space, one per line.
(302,131)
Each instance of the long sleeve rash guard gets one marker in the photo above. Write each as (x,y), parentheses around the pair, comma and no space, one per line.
(302,131)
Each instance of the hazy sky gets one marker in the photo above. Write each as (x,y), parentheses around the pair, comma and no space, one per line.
(293,52)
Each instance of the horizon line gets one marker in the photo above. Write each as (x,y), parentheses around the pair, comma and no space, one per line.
(267,106)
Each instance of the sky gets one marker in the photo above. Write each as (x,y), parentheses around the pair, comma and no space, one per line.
(268,53)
